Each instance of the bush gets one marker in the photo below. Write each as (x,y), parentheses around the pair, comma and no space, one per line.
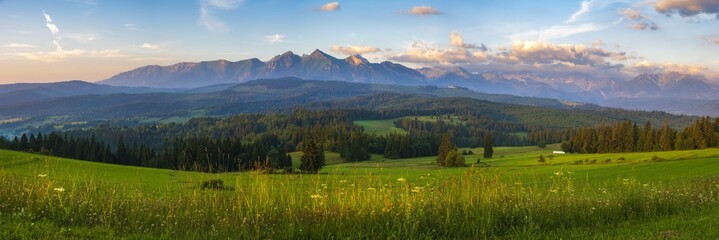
(621,159)
(657,158)
(216,184)
(608,160)
(578,162)
(593,161)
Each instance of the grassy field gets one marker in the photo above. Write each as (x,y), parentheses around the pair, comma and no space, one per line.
(380,127)
(631,196)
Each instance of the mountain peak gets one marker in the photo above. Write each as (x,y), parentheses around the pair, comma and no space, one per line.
(317,54)
(356,60)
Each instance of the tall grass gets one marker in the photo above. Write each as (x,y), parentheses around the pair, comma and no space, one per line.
(474,205)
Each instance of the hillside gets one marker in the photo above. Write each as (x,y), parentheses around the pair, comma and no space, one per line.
(282,95)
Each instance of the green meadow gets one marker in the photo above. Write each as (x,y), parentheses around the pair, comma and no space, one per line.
(511,196)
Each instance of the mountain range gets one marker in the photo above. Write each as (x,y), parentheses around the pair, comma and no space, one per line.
(318,65)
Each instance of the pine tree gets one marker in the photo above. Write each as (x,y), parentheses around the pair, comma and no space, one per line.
(445,147)
(488,144)
(313,158)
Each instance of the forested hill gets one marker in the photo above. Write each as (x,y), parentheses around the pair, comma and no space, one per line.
(287,94)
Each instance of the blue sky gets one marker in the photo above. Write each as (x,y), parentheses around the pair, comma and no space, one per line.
(95,39)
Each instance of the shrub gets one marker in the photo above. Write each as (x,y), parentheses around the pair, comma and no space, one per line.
(607,160)
(621,159)
(657,158)
(216,184)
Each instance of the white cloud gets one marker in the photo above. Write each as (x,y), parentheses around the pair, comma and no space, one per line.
(275,38)
(19,45)
(555,32)
(354,50)
(332,6)
(584,9)
(151,46)
(129,26)
(208,20)
(54,30)
(424,10)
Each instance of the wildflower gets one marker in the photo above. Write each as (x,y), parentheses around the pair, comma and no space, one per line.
(343,181)
(553,190)
(416,189)
(558,173)
(42,175)
(316,196)
(370,189)
(570,172)
(324,186)
(59,189)
(401,179)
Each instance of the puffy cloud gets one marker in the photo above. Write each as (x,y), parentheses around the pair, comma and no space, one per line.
(642,22)
(456,40)
(19,45)
(424,10)
(423,52)
(275,38)
(354,50)
(329,7)
(544,53)
(687,8)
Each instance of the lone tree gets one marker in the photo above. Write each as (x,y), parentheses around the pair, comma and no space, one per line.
(448,154)
(313,158)
(488,143)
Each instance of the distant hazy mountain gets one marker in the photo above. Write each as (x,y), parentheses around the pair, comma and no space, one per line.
(668,85)
(11,94)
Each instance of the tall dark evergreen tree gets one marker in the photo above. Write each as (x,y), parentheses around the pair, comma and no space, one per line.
(313,157)
(488,146)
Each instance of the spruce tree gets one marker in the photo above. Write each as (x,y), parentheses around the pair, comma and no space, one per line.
(313,158)
(488,142)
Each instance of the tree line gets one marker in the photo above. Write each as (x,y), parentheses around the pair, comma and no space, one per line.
(627,136)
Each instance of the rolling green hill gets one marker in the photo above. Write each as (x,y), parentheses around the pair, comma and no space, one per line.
(44,197)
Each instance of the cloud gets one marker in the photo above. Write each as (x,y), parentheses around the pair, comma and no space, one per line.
(642,22)
(458,53)
(651,67)
(544,53)
(632,14)
(714,40)
(644,26)
(151,46)
(57,56)
(424,10)
(456,40)
(555,32)
(275,38)
(19,45)
(687,8)
(54,30)
(208,20)
(354,50)
(130,26)
(584,9)
(329,7)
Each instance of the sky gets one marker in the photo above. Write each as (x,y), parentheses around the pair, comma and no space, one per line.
(91,40)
